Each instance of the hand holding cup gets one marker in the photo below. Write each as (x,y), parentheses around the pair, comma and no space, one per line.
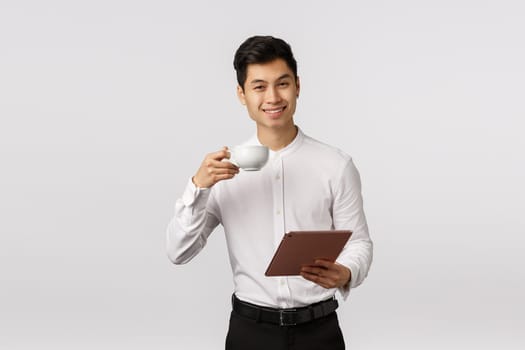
(213,169)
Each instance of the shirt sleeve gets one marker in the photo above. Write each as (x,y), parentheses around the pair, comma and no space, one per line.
(348,214)
(192,224)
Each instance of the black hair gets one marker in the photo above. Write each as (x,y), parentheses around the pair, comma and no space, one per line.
(262,49)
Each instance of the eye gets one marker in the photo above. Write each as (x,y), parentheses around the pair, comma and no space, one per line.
(284,84)
(258,87)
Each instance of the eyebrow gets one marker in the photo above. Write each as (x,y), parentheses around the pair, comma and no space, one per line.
(257,81)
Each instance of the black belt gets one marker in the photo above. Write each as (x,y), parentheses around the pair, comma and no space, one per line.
(284,317)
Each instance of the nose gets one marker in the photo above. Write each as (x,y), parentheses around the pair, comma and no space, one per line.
(272,95)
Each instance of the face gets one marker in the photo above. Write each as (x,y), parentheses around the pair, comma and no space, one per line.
(270,95)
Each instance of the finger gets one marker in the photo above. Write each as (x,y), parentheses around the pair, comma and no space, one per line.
(314,269)
(210,166)
(220,177)
(322,281)
(228,153)
(221,164)
(219,155)
(325,263)
(321,272)
(221,171)
(311,269)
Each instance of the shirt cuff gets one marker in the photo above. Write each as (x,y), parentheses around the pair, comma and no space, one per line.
(194,196)
(345,290)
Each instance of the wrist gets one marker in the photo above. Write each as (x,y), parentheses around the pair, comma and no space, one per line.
(195,182)
(349,279)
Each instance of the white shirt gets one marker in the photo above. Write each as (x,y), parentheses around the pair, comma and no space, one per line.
(305,186)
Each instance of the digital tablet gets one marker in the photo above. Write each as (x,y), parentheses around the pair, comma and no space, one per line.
(299,248)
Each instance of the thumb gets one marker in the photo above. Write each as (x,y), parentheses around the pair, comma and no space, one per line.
(228,153)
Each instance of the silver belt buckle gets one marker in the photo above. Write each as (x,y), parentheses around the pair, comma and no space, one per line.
(283,321)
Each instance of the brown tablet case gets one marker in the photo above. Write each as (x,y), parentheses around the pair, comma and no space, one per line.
(299,248)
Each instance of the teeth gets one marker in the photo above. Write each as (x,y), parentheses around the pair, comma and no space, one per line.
(273,110)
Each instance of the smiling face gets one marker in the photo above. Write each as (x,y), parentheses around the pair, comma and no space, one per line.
(270,94)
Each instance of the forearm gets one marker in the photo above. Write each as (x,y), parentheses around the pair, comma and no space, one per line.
(190,226)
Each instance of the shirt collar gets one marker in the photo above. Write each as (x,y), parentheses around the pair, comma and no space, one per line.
(291,147)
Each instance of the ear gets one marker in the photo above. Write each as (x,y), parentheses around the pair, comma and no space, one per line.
(298,86)
(240,95)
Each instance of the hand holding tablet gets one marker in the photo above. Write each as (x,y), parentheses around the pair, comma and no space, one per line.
(304,248)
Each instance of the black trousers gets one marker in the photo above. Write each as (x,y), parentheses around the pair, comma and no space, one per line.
(321,334)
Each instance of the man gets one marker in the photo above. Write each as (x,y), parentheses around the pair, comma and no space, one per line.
(306,185)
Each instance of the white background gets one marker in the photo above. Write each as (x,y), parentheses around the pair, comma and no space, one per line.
(107,107)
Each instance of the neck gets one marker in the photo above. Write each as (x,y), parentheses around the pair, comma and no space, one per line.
(277,139)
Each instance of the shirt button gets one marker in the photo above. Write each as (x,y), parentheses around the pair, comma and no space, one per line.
(278,212)
(278,177)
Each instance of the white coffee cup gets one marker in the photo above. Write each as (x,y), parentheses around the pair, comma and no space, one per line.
(249,157)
